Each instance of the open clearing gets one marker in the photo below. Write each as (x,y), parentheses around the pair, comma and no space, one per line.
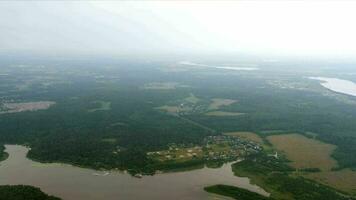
(310,153)
(247,136)
(102,105)
(217,103)
(22,107)
(185,106)
(192,99)
(160,86)
(223,113)
(169,109)
(304,152)
(344,180)
(175,109)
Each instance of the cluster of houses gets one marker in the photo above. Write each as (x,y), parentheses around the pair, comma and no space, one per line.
(229,148)
(214,148)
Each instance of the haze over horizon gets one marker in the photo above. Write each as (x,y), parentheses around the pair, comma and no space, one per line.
(155,27)
(177,99)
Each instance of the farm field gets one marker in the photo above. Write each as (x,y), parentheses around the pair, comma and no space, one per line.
(27,106)
(343,180)
(223,113)
(192,99)
(217,103)
(304,152)
(160,86)
(100,106)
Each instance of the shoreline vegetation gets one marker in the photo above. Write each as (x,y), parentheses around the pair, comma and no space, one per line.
(213,153)
(273,173)
(266,169)
(276,174)
(23,192)
(281,181)
(235,192)
(3,155)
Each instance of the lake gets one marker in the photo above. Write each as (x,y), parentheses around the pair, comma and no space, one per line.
(244,67)
(73,183)
(338,85)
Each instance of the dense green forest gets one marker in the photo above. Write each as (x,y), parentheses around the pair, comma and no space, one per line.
(3,154)
(76,130)
(235,192)
(23,192)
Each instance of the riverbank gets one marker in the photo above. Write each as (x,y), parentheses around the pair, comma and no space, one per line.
(72,183)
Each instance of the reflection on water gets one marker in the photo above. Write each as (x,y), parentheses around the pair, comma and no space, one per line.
(338,85)
(73,183)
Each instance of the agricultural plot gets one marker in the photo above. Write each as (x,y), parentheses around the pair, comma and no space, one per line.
(174,109)
(344,180)
(192,99)
(100,106)
(28,106)
(160,86)
(304,152)
(223,114)
(217,103)
(186,106)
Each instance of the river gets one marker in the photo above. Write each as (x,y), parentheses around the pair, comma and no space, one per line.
(243,67)
(75,183)
(337,85)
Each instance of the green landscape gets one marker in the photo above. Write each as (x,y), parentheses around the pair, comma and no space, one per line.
(114,123)
(179,100)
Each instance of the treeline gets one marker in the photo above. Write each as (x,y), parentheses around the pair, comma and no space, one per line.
(343,153)
(3,154)
(23,192)
(235,192)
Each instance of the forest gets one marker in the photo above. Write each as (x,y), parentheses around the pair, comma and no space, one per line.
(23,192)
(78,131)
(235,192)
(3,154)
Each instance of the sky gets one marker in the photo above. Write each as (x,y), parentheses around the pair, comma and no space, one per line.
(323,28)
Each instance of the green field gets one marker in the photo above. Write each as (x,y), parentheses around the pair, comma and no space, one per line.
(304,152)
(100,106)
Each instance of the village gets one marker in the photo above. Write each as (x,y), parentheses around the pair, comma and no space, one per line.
(220,148)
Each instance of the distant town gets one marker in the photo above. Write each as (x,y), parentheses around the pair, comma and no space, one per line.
(216,148)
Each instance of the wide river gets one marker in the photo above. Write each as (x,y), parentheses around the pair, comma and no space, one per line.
(75,183)
(338,85)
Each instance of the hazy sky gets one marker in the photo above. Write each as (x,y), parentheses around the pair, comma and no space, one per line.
(135,27)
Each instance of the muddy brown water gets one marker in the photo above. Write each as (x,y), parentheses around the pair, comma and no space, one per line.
(75,183)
